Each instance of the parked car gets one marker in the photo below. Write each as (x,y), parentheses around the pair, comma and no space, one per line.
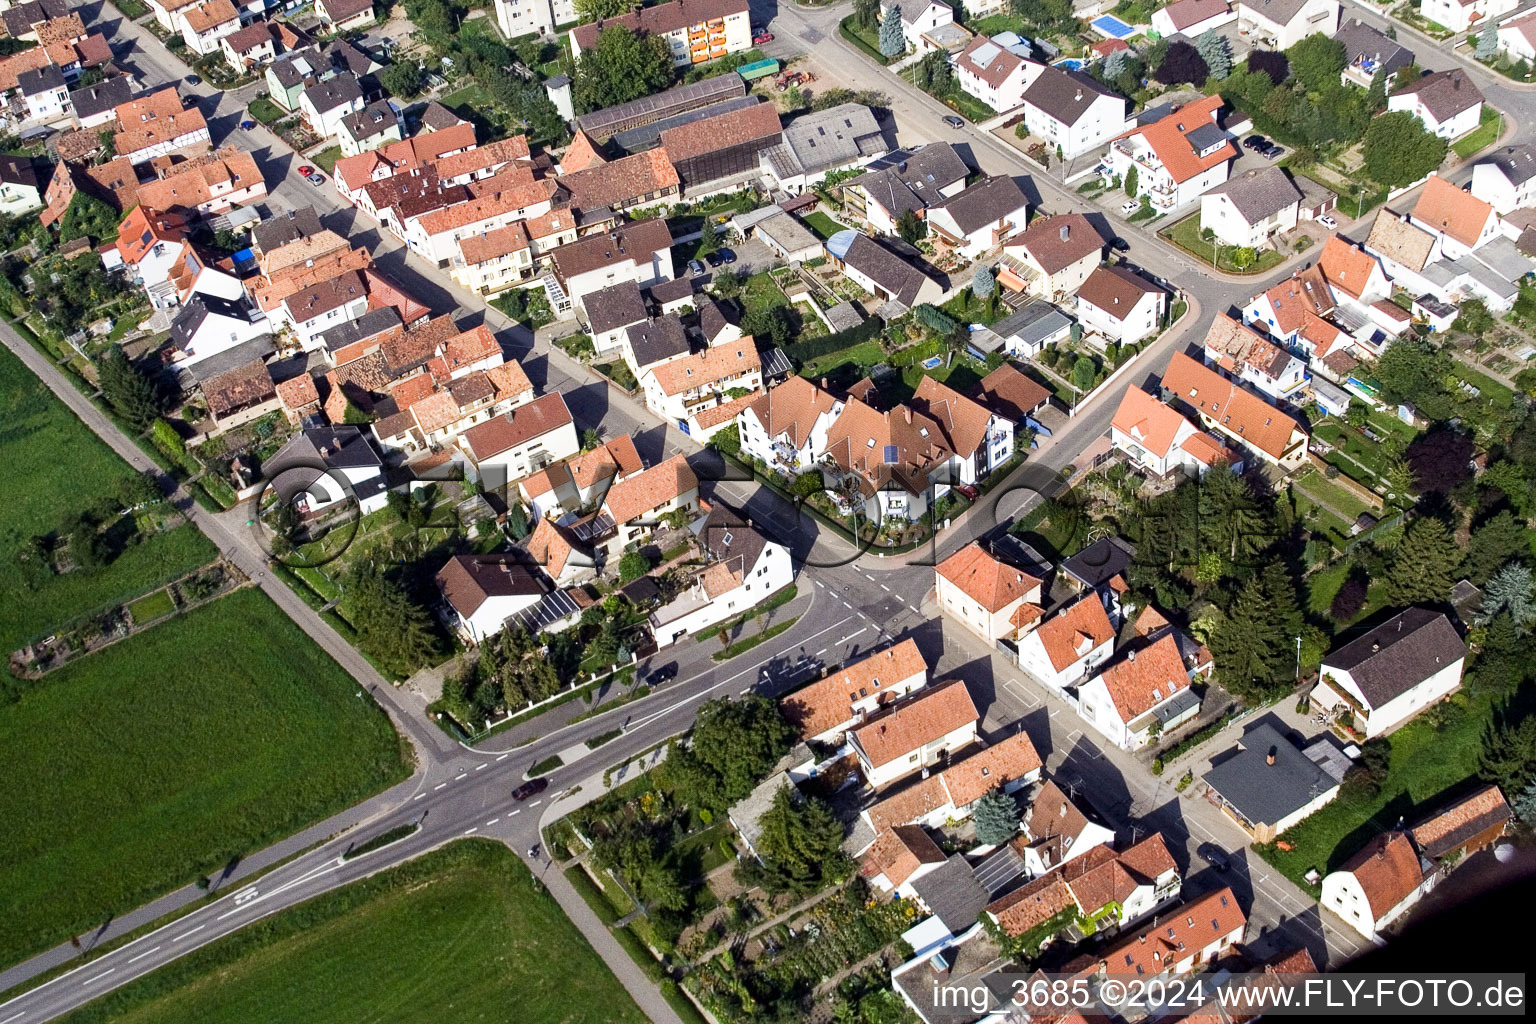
(194,79)
(663,674)
(968,491)
(727,256)
(713,258)
(762,37)
(1215,856)
(529,788)
(953,121)
(1129,206)
(695,267)
(246,126)
(317,178)
(1273,151)
(1327,221)
(1255,142)
(305,170)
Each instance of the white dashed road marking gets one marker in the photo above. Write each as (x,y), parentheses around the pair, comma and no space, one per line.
(18,1016)
(98,977)
(459,776)
(475,828)
(503,757)
(192,932)
(141,956)
(439,786)
(492,822)
(418,796)
(512,814)
(486,765)
(536,803)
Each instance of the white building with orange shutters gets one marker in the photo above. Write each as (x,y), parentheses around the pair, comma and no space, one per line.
(989,597)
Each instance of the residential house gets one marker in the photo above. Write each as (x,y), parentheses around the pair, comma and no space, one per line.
(505,199)
(238,395)
(205,25)
(825,709)
(1385,677)
(918,18)
(1267,784)
(787,237)
(787,426)
(207,185)
(1245,356)
(1353,275)
(638,503)
(1070,644)
(979,439)
(1053,257)
(1446,102)
(1462,826)
(823,142)
(583,481)
(1404,250)
(319,467)
(520,442)
(1178,157)
(1368,53)
(1464,15)
(1506,180)
(1378,884)
(1120,306)
(377,124)
(1010,394)
(899,857)
(678,389)
(288,76)
(342,16)
(44,95)
(882,273)
(96,105)
(1281,24)
(906,181)
(1517,36)
(1250,209)
(423,413)
(250,47)
(149,247)
(326,103)
(1182,939)
(1071,112)
(980,218)
(19,192)
(1027,332)
(517,18)
(884,459)
(484,591)
(1057,830)
(950,794)
(495,260)
(743,567)
(612,311)
(562,556)
(915,732)
(1140,696)
(1247,422)
(1192,18)
(696,31)
(991,598)
(208,325)
(639,251)
(325,305)
(996,74)
(1160,440)
(157,125)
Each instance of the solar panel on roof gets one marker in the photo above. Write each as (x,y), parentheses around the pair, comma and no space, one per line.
(595,527)
(890,455)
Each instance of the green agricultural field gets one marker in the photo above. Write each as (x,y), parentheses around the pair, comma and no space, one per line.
(141,766)
(461,934)
(58,467)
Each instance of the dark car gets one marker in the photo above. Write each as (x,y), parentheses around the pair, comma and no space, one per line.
(194,79)
(1255,142)
(967,490)
(1120,245)
(1272,151)
(530,788)
(664,673)
(246,126)
(1215,856)
(714,259)
(953,121)
(727,257)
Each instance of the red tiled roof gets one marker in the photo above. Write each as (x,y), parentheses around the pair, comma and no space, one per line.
(1388,871)
(1168,137)
(827,703)
(915,720)
(1144,679)
(644,492)
(993,584)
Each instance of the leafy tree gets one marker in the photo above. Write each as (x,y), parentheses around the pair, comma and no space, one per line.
(1317,61)
(1509,752)
(1440,460)
(1131,182)
(1414,371)
(1376,95)
(1182,64)
(1509,592)
(517,520)
(621,66)
(800,844)
(911,227)
(727,439)
(808,483)
(735,743)
(593,10)
(633,565)
(392,627)
(996,818)
(1243,256)
(1488,41)
(1349,601)
(590,439)
(130,394)
(1397,149)
(1083,372)
(774,324)
(1423,568)
(933,72)
(1271,63)
(1357,415)
(892,41)
(1493,543)
(866,13)
(402,78)
(1216,53)
(87,217)
(728,283)
(139,489)
(1473,317)
(70,293)
(1365,777)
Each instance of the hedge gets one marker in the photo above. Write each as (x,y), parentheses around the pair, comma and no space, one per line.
(814,348)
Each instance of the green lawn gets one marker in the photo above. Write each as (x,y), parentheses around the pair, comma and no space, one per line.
(844,362)
(1186,235)
(1326,492)
(326,159)
(760,292)
(265,111)
(40,435)
(147,609)
(1484,135)
(141,766)
(464,933)
(1358,448)
(824,226)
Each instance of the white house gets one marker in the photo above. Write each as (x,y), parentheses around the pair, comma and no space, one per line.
(1183,938)
(996,74)
(1267,784)
(1462,222)
(484,591)
(208,325)
(324,306)
(1517,36)
(341,16)
(1446,101)
(377,124)
(1281,24)
(518,18)
(1244,355)
(919,17)
(204,26)
(787,427)
(743,567)
(1057,830)
(1158,438)
(696,31)
(991,598)
(324,104)
(638,503)
(980,439)
(45,95)
(1192,17)
(318,468)
(1462,15)
(149,248)
(899,857)
(906,181)
(521,442)
(915,732)
(825,709)
(1119,306)
(1379,884)
(1506,180)
(981,217)
(1070,110)
(19,192)
(1104,886)
(1140,696)
(638,251)
(1052,257)
(250,47)
(693,383)
(1070,644)
(1250,209)
(1390,674)
(951,794)
(1177,157)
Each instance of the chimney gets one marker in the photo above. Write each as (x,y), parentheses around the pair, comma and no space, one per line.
(823,383)
(906,412)
(1079,97)
(1066,231)
(1130,656)
(1269,758)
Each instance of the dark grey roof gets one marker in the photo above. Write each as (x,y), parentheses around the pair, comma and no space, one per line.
(1065,95)
(985,203)
(17,170)
(727,537)
(375,321)
(885,268)
(22,18)
(912,180)
(553,607)
(603,123)
(1099,562)
(101,97)
(1259,193)
(1444,93)
(1265,793)
(715,318)
(198,309)
(437,117)
(1398,654)
(345,56)
(342,447)
(671,291)
(1033,323)
(1278,11)
(1517,163)
(278,231)
(286,68)
(1466,827)
(334,92)
(232,359)
(40,80)
(613,307)
(1367,44)
(657,339)
(1206,135)
(376,118)
(953,894)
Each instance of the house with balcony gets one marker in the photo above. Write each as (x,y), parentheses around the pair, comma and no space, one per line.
(989,597)
(742,568)
(484,591)
(324,105)
(1071,111)
(906,181)
(204,26)
(637,504)
(1246,356)
(1140,696)
(1178,157)
(787,426)
(949,794)
(1250,209)
(518,18)
(520,442)
(981,440)
(824,710)
(1281,24)
(638,251)
(1506,180)
(1119,306)
(1465,15)
(1393,672)
(1069,645)
(582,481)
(319,468)
(1242,419)
(1184,938)
(1160,440)
(980,218)
(696,31)
(883,463)
(681,388)
(149,247)
(1052,257)
(995,73)
(920,18)
(1368,53)
(915,732)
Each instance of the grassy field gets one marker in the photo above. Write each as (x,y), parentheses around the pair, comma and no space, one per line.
(265,111)
(464,933)
(824,226)
(147,609)
(1484,135)
(1186,235)
(40,432)
(326,159)
(163,756)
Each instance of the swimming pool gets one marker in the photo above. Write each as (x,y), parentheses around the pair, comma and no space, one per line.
(1112,27)
(1070,63)
(933,363)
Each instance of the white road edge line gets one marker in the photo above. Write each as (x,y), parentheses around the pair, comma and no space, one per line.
(141,956)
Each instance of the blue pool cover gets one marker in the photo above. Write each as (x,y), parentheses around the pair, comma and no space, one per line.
(1113,26)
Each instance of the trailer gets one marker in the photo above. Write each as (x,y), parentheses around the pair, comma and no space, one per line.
(758,69)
